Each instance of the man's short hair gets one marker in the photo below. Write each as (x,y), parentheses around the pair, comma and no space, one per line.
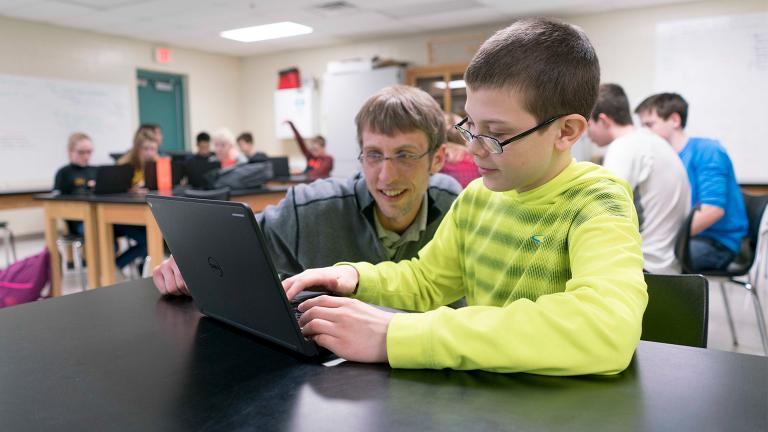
(245,136)
(551,63)
(665,105)
(402,109)
(613,102)
(203,136)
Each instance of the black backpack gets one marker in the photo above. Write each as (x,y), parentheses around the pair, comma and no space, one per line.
(245,176)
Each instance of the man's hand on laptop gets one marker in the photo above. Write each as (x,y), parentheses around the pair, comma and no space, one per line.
(350,328)
(168,280)
(340,280)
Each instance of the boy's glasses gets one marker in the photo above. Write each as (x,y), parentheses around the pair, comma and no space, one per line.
(492,144)
(374,159)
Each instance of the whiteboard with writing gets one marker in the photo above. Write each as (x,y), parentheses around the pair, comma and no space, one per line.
(720,66)
(37,116)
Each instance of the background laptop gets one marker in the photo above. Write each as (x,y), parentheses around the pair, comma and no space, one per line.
(280,167)
(111,179)
(222,254)
(196,170)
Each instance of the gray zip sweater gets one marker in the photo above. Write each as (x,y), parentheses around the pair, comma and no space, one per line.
(331,220)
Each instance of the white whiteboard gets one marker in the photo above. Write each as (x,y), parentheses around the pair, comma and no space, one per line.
(38,115)
(720,66)
(343,96)
(299,106)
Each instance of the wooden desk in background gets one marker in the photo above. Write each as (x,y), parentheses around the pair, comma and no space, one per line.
(16,200)
(77,208)
(101,212)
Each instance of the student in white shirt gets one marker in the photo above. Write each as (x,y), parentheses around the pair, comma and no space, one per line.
(653,170)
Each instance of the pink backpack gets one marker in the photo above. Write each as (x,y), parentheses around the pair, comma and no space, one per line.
(23,280)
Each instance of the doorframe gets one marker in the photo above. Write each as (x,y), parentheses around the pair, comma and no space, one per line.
(184,101)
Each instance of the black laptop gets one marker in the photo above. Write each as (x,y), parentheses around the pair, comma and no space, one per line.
(112,179)
(197,171)
(225,261)
(280,167)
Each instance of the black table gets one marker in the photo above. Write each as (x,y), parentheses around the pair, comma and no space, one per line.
(123,358)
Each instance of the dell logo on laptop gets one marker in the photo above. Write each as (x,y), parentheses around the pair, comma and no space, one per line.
(215,267)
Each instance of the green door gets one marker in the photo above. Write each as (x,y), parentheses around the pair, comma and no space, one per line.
(161,101)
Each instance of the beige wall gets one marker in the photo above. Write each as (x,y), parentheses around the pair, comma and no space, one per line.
(41,50)
(238,93)
(624,41)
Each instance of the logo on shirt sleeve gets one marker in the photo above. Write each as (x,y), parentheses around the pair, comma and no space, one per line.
(537,238)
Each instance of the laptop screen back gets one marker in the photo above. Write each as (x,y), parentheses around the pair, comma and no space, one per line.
(222,255)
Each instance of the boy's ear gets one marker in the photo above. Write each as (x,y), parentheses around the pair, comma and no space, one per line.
(675,119)
(438,159)
(572,127)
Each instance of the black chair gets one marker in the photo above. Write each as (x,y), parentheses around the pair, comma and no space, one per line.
(746,270)
(212,194)
(678,310)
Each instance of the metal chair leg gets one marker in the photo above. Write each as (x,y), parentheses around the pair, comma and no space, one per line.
(728,314)
(759,315)
(77,252)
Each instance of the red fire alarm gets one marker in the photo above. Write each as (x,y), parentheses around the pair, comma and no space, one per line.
(162,55)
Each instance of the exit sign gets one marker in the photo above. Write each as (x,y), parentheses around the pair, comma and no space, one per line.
(162,55)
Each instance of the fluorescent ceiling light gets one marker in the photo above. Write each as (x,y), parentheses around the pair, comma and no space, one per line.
(455,84)
(266,32)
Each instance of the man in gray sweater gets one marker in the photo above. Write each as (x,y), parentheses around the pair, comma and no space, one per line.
(387,212)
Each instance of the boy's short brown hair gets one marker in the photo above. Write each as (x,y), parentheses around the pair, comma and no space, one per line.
(402,109)
(551,63)
(245,136)
(665,105)
(613,102)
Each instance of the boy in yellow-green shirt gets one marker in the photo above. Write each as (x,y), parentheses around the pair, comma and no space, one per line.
(546,250)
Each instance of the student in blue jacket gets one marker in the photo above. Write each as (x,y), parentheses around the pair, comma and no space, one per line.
(720,223)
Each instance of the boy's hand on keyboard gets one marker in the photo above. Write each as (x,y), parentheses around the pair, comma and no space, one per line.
(350,328)
(340,280)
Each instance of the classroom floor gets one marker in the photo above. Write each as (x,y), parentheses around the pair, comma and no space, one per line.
(719,335)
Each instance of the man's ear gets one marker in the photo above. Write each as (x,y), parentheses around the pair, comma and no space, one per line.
(572,127)
(438,159)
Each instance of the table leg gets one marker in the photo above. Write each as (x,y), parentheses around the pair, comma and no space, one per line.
(154,242)
(106,249)
(51,235)
(91,240)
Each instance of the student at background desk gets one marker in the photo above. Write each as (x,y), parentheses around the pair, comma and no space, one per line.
(145,147)
(78,177)
(653,170)
(203,147)
(319,163)
(720,223)
(226,151)
(245,143)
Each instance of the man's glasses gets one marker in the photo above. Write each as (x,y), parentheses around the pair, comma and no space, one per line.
(373,159)
(492,144)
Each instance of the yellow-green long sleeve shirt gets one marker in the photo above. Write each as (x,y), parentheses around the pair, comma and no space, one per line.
(552,276)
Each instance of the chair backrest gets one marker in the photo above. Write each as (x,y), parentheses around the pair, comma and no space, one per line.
(758,232)
(678,310)
(211,194)
(682,244)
